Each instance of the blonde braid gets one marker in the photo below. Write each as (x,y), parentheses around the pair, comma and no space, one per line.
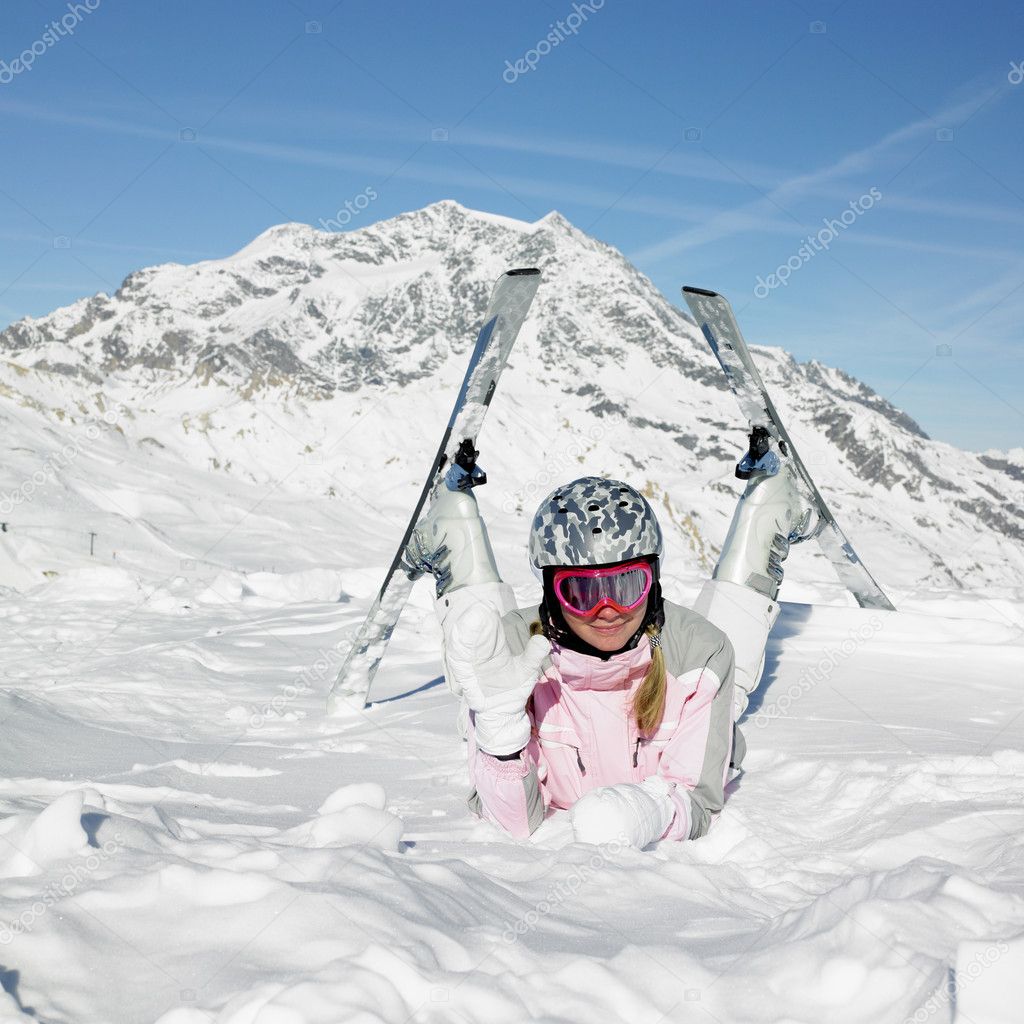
(648,705)
(649,700)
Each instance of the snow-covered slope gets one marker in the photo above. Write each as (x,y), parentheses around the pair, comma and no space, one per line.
(186,839)
(311,361)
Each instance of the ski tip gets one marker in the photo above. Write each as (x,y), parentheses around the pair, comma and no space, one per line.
(523,272)
(689,289)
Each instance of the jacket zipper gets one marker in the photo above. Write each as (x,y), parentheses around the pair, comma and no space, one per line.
(636,753)
(557,743)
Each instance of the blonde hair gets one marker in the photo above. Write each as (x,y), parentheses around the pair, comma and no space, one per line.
(648,707)
(649,701)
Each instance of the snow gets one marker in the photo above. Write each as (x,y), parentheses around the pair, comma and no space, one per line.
(494,218)
(986,986)
(183,822)
(605,369)
(187,838)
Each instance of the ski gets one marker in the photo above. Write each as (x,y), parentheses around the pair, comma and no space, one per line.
(715,318)
(509,304)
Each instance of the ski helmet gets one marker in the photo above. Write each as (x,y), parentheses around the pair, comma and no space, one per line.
(593,521)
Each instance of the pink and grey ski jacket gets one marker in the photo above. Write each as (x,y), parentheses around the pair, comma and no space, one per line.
(584,736)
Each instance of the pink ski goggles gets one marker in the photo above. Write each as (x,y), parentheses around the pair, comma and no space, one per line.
(586,591)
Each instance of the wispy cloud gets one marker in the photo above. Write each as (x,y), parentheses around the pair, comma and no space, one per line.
(973,252)
(521,187)
(694,164)
(856,164)
(710,222)
(947,206)
(974,305)
(55,286)
(85,243)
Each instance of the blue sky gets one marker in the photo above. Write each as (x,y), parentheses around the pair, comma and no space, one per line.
(707,142)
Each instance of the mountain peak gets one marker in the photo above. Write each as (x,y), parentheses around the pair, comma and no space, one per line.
(555,220)
(328,316)
(451,211)
(290,235)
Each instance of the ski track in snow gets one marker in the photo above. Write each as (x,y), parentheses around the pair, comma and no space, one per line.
(171,850)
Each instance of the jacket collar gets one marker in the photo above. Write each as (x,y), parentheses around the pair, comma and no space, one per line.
(619,672)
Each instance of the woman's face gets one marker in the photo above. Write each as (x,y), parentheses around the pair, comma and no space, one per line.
(609,629)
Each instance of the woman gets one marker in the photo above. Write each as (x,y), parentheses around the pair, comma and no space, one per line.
(607,700)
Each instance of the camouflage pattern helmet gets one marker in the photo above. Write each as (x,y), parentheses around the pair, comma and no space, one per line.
(593,521)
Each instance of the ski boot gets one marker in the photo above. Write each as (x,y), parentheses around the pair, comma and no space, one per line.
(450,542)
(768,519)
(740,597)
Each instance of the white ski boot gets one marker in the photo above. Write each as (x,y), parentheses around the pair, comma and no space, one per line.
(768,518)
(451,544)
(740,598)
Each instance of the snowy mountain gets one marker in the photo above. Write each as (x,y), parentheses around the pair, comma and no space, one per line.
(259,364)
(203,479)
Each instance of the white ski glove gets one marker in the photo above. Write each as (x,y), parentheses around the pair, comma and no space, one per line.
(481,667)
(635,813)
